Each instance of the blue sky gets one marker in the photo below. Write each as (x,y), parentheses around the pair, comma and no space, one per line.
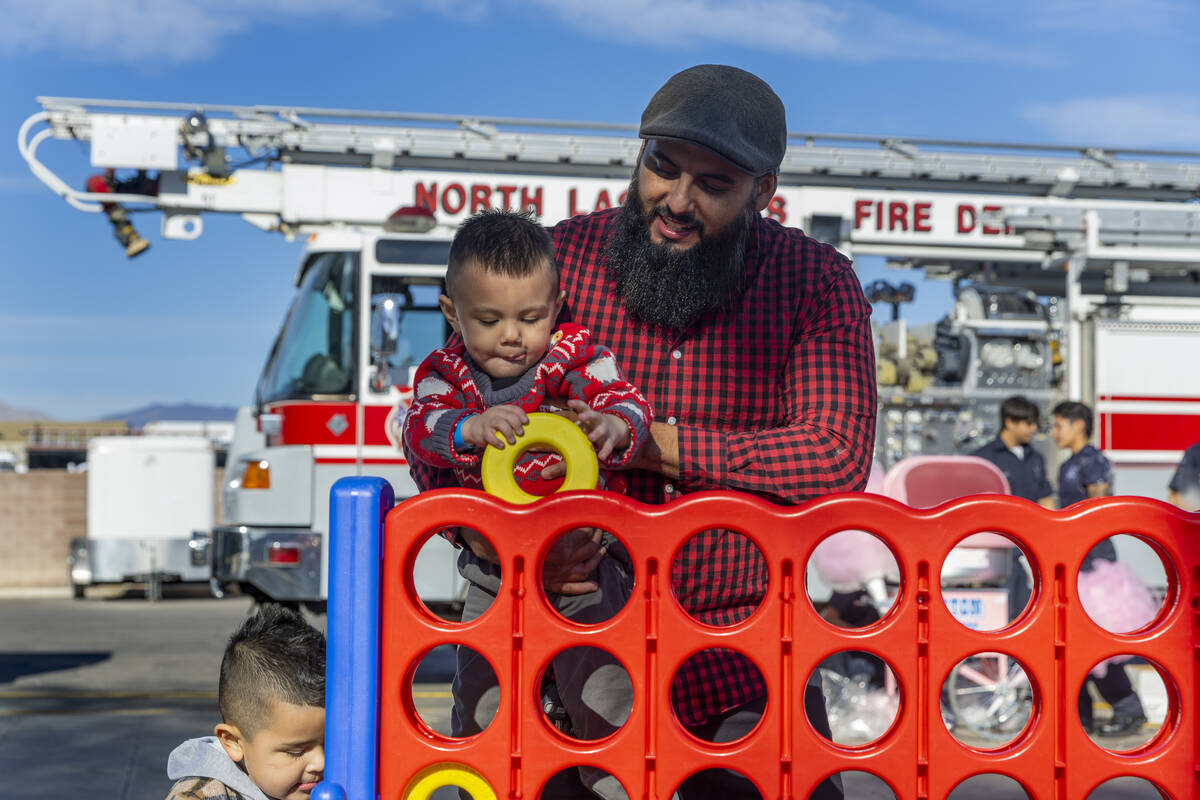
(85,332)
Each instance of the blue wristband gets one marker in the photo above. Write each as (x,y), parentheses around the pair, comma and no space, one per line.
(460,444)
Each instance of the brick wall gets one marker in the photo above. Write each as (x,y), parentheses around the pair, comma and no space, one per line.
(40,512)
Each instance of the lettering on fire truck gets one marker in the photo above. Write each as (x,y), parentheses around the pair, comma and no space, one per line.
(900,215)
(456,197)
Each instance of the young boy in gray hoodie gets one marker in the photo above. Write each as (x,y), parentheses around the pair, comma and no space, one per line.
(270,744)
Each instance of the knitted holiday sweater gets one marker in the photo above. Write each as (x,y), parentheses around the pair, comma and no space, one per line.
(450,386)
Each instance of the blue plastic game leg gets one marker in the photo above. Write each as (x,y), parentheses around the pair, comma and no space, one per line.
(357,508)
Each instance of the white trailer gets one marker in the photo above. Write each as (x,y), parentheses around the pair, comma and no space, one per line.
(145,497)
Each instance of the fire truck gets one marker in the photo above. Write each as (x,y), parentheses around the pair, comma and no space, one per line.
(1075,270)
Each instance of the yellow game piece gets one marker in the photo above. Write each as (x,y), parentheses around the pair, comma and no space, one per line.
(554,433)
(447,773)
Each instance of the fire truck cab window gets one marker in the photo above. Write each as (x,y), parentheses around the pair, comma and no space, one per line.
(412,251)
(314,354)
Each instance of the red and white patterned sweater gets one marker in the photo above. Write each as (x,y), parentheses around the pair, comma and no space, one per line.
(449,386)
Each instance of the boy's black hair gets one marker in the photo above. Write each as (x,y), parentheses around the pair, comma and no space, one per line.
(1018,408)
(511,243)
(1071,411)
(274,656)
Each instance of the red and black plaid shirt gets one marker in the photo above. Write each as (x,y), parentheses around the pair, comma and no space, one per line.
(776,398)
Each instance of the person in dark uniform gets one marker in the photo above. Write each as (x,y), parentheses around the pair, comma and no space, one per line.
(1087,473)
(1010,451)
(1025,470)
(1184,488)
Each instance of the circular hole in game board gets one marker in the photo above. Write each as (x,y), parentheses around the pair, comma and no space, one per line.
(988,700)
(588,597)
(851,579)
(862,697)
(585,693)
(717,782)
(1122,583)
(695,704)
(1126,788)
(476,691)
(581,781)
(987,581)
(719,577)
(991,785)
(439,585)
(861,784)
(730,783)
(1124,703)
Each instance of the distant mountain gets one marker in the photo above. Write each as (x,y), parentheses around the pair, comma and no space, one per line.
(178,411)
(14,414)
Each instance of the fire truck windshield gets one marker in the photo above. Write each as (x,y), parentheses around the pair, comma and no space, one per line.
(314,354)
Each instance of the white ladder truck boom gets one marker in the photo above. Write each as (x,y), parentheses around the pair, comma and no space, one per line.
(383,191)
(307,168)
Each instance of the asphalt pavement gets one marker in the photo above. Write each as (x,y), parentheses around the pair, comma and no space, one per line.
(95,694)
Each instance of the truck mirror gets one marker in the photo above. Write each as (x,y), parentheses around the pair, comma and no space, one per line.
(385,327)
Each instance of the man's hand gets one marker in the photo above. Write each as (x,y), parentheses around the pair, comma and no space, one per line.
(606,432)
(570,560)
(497,425)
(660,453)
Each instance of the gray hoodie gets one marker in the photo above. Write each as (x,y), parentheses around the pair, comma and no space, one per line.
(205,758)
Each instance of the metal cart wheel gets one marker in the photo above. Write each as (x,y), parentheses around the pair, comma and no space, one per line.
(990,695)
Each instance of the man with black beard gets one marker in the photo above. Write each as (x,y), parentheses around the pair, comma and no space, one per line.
(665,286)
(753,343)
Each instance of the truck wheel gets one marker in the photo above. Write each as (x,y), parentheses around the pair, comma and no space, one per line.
(77,590)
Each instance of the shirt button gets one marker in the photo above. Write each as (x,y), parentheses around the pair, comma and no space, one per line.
(671,420)
(676,354)
(669,488)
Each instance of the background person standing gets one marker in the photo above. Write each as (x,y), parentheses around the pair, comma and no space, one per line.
(1087,473)
(1025,470)
(1017,459)
(1184,488)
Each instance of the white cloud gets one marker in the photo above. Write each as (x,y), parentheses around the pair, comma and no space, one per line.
(850,31)
(1152,120)
(1107,15)
(129,31)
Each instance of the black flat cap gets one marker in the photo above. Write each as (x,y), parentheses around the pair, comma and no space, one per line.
(726,109)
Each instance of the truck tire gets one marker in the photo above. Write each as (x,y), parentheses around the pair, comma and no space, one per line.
(78,591)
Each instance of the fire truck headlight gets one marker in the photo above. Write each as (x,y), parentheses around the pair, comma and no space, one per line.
(257,475)
(998,353)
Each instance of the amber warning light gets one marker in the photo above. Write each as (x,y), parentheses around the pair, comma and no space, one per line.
(257,475)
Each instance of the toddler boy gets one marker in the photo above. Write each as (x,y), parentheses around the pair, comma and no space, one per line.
(270,744)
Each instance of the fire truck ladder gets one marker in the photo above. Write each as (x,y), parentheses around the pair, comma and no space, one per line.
(151,135)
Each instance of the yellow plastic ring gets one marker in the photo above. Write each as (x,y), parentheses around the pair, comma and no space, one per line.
(435,776)
(551,432)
